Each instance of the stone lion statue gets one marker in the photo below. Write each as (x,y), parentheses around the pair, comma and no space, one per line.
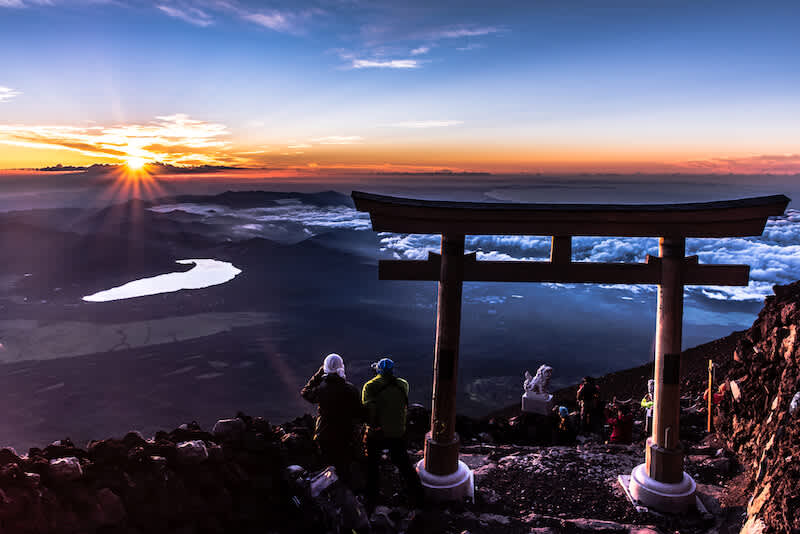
(540,383)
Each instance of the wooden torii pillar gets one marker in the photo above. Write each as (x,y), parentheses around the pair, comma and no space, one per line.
(660,482)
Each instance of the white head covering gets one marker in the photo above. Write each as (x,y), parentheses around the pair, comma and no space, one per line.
(334,364)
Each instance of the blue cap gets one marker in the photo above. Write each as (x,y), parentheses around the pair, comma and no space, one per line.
(563,412)
(384,366)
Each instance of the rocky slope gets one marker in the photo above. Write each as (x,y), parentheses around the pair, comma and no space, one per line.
(755,419)
(249,476)
(244,477)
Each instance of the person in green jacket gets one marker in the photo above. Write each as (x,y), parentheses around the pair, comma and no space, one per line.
(647,403)
(385,400)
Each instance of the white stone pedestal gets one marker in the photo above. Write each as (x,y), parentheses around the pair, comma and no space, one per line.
(672,498)
(453,487)
(537,403)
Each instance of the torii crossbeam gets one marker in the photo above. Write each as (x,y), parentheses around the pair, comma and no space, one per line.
(660,482)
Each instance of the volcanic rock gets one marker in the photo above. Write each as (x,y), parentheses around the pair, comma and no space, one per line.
(192,452)
(65,469)
(228,429)
(756,422)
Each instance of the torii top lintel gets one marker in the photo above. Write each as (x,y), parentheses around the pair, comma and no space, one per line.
(454,220)
(745,217)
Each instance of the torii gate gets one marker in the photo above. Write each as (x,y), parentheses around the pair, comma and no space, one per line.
(660,482)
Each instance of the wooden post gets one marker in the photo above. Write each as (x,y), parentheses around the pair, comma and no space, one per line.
(664,456)
(441,443)
(710,382)
(560,249)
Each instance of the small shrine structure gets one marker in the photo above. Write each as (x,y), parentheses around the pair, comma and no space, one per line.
(660,482)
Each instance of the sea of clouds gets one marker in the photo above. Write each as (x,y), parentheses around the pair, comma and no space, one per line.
(774,256)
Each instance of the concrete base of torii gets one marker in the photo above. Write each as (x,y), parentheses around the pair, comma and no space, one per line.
(453,487)
(675,498)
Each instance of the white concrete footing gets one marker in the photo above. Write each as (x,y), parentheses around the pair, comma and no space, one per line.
(671,498)
(453,487)
(537,403)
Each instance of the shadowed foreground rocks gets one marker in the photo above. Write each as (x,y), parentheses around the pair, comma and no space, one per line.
(246,476)
(186,481)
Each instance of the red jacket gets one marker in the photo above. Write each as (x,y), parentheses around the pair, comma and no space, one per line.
(622,429)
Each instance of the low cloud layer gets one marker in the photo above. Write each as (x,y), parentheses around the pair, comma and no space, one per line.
(288,222)
(774,257)
(754,164)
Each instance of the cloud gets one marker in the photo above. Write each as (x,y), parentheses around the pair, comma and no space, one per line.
(385,64)
(471,46)
(456,32)
(290,221)
(299,145)
(774,257)
(192,15)
(274,20)
(395,31)
(425,124)
(284,21)
(175,139)
(754,164)
(338,140)
(6,93)
(203,13)
(26,3)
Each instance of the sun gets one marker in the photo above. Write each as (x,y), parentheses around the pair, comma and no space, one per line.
(135,163)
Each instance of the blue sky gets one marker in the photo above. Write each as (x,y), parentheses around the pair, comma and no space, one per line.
(479,86)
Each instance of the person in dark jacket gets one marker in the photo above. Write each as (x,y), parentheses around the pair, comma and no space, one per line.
(339,414)
(589,401)
(564,433)
(385,400)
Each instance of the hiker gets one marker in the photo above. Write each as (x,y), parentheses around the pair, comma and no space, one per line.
(339,414)
(385,400)
(647,403)
(565,431)
(717,397)
(618,416)
(588,400)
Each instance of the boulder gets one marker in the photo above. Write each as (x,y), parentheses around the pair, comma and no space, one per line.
(721,465)
(133,439)
(8,456)
(753,525)
(228,429)
(108,451)
(65,469)
(794,405)
(215,453)
(735,390)
(192,452)
(598,525)
(109,509)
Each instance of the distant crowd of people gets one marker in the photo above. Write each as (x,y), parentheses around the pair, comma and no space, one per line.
(342,412)
(613,421)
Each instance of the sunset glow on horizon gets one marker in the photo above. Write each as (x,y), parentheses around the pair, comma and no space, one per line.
(322,86)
